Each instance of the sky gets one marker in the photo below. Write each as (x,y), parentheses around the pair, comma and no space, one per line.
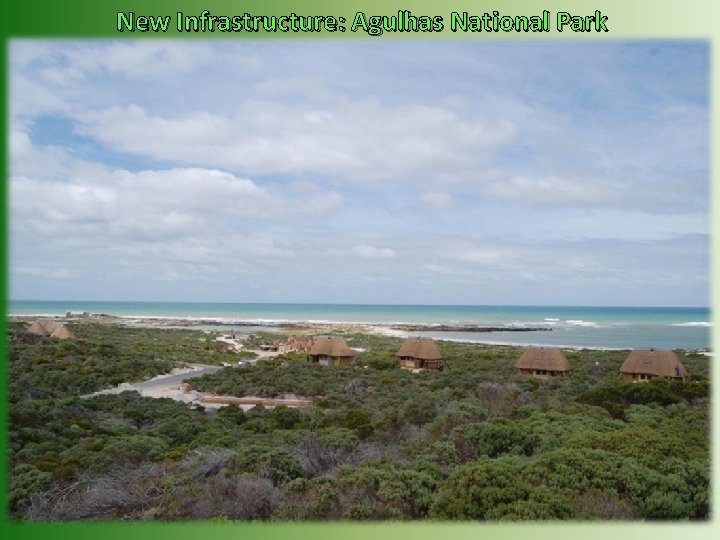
(402,172)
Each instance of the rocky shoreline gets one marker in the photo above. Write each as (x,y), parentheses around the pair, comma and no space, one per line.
(286,325)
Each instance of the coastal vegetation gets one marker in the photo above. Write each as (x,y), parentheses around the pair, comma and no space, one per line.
(471,442)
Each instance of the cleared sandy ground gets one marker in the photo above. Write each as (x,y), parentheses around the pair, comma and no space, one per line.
(172,385)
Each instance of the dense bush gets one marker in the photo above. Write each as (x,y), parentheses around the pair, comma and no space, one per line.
(473,442)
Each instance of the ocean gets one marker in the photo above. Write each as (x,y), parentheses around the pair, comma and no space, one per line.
(570,326)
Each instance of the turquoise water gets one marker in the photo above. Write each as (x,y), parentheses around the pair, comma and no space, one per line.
(605,327)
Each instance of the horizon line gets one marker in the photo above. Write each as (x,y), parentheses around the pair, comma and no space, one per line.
(9,301)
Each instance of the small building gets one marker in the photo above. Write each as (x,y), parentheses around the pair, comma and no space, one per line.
(297,344)
(50,328)
(645,364)
(270,347)
(418,353)
(331,351)
(543,363)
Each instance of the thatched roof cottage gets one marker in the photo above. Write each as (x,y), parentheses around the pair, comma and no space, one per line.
(644,364)
(331,351)
(418,353)
(543,363)
(50,328)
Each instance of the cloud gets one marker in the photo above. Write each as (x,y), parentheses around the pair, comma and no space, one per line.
(46,272)
(73,62)
(174,200)
(438,199)
(372,252)
(56,193)
(483,256)
(215,169)
(551,190)
(354,139)
(31,98)
(610,141)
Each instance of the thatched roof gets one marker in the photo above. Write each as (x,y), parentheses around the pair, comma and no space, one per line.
(330,346)
(50,328)
(424,349)
(651,362)
(551,359)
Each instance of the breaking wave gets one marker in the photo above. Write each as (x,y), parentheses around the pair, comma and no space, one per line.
(579,322)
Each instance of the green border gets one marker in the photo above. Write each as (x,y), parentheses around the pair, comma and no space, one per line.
(628,19)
